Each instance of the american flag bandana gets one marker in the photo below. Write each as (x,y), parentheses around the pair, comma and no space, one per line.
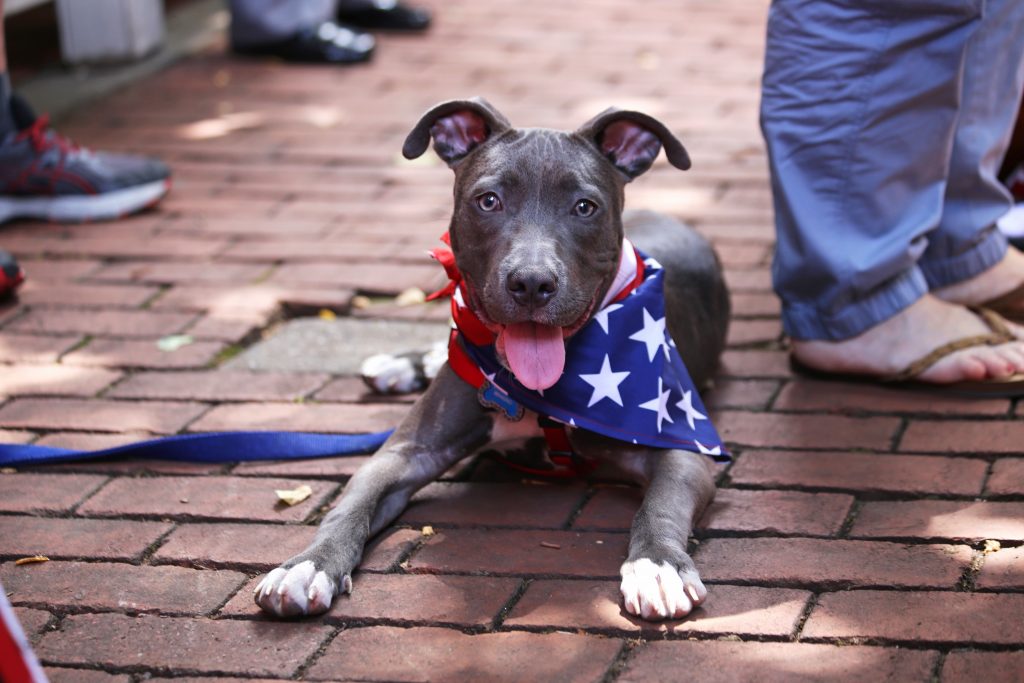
(623,375)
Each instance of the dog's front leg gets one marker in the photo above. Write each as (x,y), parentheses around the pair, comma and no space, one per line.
(659,580)
(445,425)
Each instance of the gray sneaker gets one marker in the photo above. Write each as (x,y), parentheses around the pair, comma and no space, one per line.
(46,176)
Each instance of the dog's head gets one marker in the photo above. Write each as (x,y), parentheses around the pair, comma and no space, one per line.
(537,226)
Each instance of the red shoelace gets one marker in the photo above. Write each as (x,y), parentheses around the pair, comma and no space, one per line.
(43,138)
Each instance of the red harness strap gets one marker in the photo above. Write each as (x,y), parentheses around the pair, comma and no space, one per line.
(568,463)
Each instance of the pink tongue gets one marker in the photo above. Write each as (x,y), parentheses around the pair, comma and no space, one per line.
(535,353)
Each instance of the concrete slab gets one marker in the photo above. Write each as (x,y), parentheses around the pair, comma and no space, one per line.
(335,346)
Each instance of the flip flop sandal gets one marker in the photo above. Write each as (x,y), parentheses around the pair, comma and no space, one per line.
(1007,387)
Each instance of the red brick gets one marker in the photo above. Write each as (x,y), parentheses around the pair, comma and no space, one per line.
(963,436)
(226,327)
(967,666)
(385,653)
(830,563)
(227,498)
(374,278)
(31,348)
(733,255)
(115,323)
(89,441)
(163,272)
(860,472)
(786,512)
(337,467)
(726,662)
(742,332)
(354,390)
(62,675)
(1007,478)
(263,546)
(45,492)
(411,599)
(143,354)
(740,393)
(86,296)
(10,436)
(257,648)
(310,417)
(32,620)
(66,413)
(1003,569)
(58,270)
(118,247)
(218,386)
(520,552)
(782,512)
(755,304)
(758,279)
(755,364)
(459,504)
(742,610)
(262,298)
(119,587)
(806,431)
(77,538)
(920,618)
(941,519)
(817,396)
(54,380)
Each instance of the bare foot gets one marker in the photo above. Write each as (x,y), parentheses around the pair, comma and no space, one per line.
(925,325)
(1000,279)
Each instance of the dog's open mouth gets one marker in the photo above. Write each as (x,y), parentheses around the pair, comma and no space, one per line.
(535,352)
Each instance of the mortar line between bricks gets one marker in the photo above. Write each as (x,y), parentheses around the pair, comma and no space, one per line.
(779,386)
(74,508)
(940,663)
(801,622)
(850,519)
(897,436)
(618,663)
(300,671)
(513,600)
(585,497)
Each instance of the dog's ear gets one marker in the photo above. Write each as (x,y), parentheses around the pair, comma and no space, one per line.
(631,141)
(457,127)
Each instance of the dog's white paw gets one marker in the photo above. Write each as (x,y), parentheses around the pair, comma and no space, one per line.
(387,374)
(660,591)
(298,591)
(434,359)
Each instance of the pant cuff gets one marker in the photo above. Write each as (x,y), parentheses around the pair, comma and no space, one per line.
(989,251)
(807,321)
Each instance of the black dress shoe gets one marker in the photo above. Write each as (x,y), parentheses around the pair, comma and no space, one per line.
(328,43)
(383,15)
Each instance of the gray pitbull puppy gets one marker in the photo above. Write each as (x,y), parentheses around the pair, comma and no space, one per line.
(537,234)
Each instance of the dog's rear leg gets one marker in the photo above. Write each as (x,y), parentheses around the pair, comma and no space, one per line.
(659,580)
(444,426)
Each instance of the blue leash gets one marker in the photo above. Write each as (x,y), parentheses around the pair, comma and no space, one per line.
(212,447)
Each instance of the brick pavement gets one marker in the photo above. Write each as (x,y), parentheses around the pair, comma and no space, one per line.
(861,534)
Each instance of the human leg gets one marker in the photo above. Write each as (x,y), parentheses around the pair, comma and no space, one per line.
(859,120)
(297,31)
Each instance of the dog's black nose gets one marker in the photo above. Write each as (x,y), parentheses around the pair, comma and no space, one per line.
(533,287)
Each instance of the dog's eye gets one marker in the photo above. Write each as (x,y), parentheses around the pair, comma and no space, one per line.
(488,202)
(584,208)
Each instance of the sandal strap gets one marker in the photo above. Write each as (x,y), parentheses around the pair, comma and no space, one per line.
(1000,334)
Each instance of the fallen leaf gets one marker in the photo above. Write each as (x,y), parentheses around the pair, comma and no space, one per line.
(360,301)
(991,547)
(32,560)
(553,546)
(327,314)
(411,297)
(174,342)
(7,470)
(294,496)
(427,531)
